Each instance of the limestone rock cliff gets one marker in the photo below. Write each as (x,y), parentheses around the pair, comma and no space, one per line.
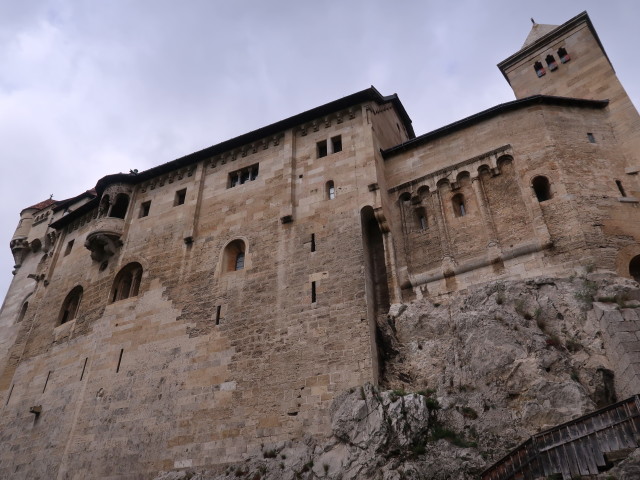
(466,378)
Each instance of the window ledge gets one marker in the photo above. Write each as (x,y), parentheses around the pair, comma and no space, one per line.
(628,200)
(64,330)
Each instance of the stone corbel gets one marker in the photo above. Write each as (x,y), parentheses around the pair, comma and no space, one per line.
(381,219)
(102,246)
(19,249)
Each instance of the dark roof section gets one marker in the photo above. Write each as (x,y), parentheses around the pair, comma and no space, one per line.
(561,30)
(367,95)
(490,113)
(70,201)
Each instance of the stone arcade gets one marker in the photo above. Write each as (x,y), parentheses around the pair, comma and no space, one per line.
(184,315)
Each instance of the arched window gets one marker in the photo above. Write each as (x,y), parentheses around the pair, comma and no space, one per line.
(23,311)
(70,305)
(459,207)
(119,209)
(634,268)
(421,218)
(331,190)
(542,188)
(234,256)
(127,282)
(551,62)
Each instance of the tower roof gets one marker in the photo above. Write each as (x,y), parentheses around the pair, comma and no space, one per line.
(538,30)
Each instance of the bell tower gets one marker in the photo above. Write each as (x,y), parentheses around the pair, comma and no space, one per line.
(569,60)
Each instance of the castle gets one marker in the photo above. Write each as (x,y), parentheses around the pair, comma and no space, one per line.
(184,315)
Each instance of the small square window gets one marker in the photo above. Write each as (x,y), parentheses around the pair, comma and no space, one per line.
(69,247)
(336,144)
(591,138)
(181,195)
(321,147)
(144,209)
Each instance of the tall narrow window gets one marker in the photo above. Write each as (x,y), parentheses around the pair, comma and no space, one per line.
(181,196)
(551,63)
(634,268)
(331,190)
(459,207)
(621,188)
(336,144)
(539,69)
(70,305)
(67,250)
(313,242)
(564,56)
(23,311)
(234,256)
(119,208)
(144,209)
(127,282)
(542,188)
(313,292)
(218,311)
(321,148)
(421,218)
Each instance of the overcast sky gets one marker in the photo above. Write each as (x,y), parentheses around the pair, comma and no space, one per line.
(89,88)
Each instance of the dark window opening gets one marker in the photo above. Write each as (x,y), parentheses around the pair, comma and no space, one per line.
(421,218)
(254,173)
(634,268)
(591,138)
(84,367)
(127,282)
(313,292)
(70,305)
(336,144)
(46,381)
(539,69)
(551,63)
(242,176)
(144,209)
(321,148)
(313,242)
(239,261)
(23,311)
(564,56)
(67,250)
(331,190)
(542,188)
(119,208)
(621,188)
(119,360)
(459,208)
(181,196)
(218,311)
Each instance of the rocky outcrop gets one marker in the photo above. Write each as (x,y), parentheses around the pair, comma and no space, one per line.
(467,378)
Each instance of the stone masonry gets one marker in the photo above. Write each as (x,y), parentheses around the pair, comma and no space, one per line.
(187,315)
